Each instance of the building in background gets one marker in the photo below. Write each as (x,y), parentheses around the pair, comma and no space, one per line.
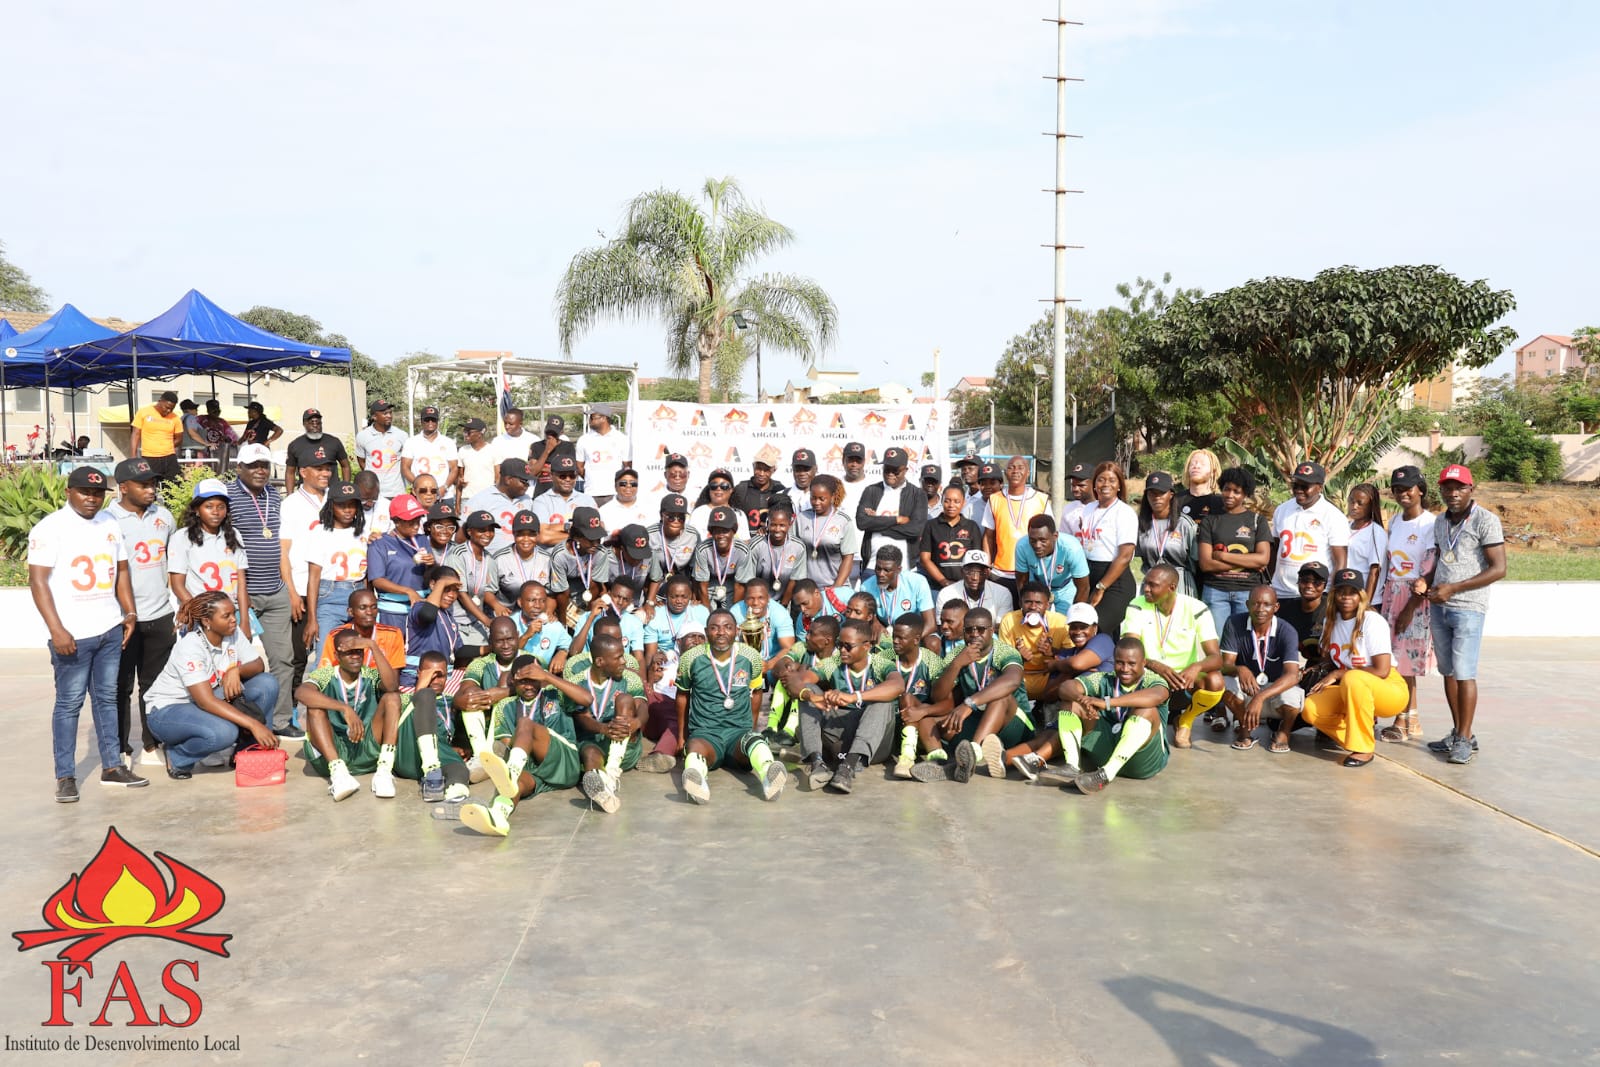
(1549,355)
(1451,386)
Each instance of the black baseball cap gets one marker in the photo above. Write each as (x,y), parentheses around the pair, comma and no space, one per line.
(380,405)
(677,459)
(804,459)
(855,450)
(309,414)
(1314,570)
(514,468)
(1158,482)
(969,460)
(343,493)
(189,405)
(635,543)
(587,523)
(429,412)
(555,424)
(442,512)
(1081,472)
(988,470)
(895,457)
(480,520)
(1348,577)
(1310,473)
(674,504)
(86,478)
(722,519)
(135,470)
(475,424)
(1403,478)
(931,473)
(524,520)
(563,464)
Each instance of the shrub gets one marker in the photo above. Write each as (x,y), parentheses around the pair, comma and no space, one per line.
(1517,454)
(28,492)
(178,495)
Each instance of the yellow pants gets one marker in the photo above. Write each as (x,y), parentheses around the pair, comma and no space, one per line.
(1346,712)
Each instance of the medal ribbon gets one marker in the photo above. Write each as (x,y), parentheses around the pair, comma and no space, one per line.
(1452,538)
(726,687)
(1262,645)
(602,698)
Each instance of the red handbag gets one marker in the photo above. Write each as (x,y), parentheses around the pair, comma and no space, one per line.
(256,765)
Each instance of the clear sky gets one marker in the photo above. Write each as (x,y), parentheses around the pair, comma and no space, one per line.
(417,177)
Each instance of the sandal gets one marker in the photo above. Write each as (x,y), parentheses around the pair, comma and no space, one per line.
(1393,733)
(1413,726)
(1278,748)
(1219,723)
(1245,743)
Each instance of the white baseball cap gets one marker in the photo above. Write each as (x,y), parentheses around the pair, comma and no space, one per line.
(975,556)
(253,453)
(1083,613)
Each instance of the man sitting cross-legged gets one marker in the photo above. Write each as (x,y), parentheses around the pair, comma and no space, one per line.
(544,744)
(918,668)
(715,712)
(360,738)
(985,706)
(852,707)
(609,727)
(1116,721)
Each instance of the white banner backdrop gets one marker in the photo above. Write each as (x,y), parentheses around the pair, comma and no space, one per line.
(736,435)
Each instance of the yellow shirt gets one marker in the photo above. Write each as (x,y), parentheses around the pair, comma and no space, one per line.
(1025,639)
(1010,519)
(158,434)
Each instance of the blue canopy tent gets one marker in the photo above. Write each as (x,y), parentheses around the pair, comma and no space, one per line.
(26,358)
(7,332)
(194,336)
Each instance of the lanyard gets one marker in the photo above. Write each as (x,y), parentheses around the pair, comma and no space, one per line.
(1118,714)
(474,578)
(772,559)
(1452,538)
(816,533)
(887,606)
(583,572)
(1015,514)
(850,683)
(262,513)
(1162,631)
(726,687)
(978,683)
(602,697)
(344,692)
(1057,569)
(1263,644)
(526,708)
(910,673)
(719,566)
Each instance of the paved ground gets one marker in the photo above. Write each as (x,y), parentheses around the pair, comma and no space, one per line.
(1241,908)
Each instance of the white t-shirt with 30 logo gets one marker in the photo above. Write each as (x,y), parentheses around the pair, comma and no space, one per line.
(82,555)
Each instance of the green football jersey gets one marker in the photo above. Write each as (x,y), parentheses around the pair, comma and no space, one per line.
(548,710)
(1105,684)
(363,696)
(712,686)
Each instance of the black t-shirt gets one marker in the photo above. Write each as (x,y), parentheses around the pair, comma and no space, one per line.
(948,544)
(304,452)
(1308,625)
(1197,507)
(1237,534)
(753,502)
(1239,637)
(257,431)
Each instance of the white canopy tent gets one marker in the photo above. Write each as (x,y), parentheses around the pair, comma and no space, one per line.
(505,369)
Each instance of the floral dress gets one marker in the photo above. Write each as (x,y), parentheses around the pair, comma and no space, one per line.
(1411,555)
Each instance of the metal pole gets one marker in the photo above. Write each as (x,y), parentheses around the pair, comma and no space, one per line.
(759,393)
(355,414)
(49,431)
(1058,377)
(1036,422)
(991,426)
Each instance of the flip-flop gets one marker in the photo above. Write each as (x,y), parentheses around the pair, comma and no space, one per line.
(1275,750)
(1244,744)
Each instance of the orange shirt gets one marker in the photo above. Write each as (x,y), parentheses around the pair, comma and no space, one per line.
(158,434)
(390,640)
(1011,525)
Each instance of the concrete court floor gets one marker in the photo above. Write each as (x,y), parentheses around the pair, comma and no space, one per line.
(1241,908)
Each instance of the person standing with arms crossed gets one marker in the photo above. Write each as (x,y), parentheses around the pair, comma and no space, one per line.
(156,432)
(78,575)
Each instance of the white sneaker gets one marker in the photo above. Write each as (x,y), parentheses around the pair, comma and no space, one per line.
(152,757)
(694,784)
(383,783)
(599,788)
(773,781)
(343,785)
(994,756)
(456,792)
(475,771)
(902,767)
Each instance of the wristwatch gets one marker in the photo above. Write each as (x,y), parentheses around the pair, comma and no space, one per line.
(1100,586)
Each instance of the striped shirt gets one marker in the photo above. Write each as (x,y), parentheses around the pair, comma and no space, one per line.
(256,520)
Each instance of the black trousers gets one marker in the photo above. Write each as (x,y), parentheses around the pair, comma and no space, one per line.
(142,660)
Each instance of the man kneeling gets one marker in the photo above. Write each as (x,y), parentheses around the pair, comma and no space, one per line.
(360,739)
(1119,723)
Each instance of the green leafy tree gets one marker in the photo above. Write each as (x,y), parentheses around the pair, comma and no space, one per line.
(1314,369)
(1517,454)
(1586,339)
(605,388)
(17,290)
(677,390)
(382,381)
(688,265)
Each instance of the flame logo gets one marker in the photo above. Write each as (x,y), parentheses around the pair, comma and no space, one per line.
(121,893)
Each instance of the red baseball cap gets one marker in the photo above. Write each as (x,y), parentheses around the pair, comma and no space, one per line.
(1455,473)
(406,507)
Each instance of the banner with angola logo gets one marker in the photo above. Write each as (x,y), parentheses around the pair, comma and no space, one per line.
(734,436)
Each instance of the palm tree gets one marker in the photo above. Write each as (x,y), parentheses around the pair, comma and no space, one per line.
(688,266)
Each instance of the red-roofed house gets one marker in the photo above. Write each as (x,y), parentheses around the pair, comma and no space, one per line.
(1548,356)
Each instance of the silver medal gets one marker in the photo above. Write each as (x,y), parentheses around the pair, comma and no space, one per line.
(1261,678)
(585,597)
(727,702)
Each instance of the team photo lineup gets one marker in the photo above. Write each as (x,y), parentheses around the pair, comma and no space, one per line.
(536,611)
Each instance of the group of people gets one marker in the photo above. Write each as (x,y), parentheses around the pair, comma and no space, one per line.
(514,610)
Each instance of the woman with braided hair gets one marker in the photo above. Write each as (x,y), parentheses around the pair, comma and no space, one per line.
(214,692)
(1363,684)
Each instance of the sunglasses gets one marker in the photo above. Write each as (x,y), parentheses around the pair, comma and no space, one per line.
(720,485)
(566,474)
(627,485)
(848,645)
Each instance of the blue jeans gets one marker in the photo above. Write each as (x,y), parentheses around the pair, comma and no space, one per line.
(1224,604)
(191,734)
(1457,633)
(333,611)
(92,669)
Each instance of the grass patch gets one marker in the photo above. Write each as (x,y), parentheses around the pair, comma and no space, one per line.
(13,572)
(1574,565)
